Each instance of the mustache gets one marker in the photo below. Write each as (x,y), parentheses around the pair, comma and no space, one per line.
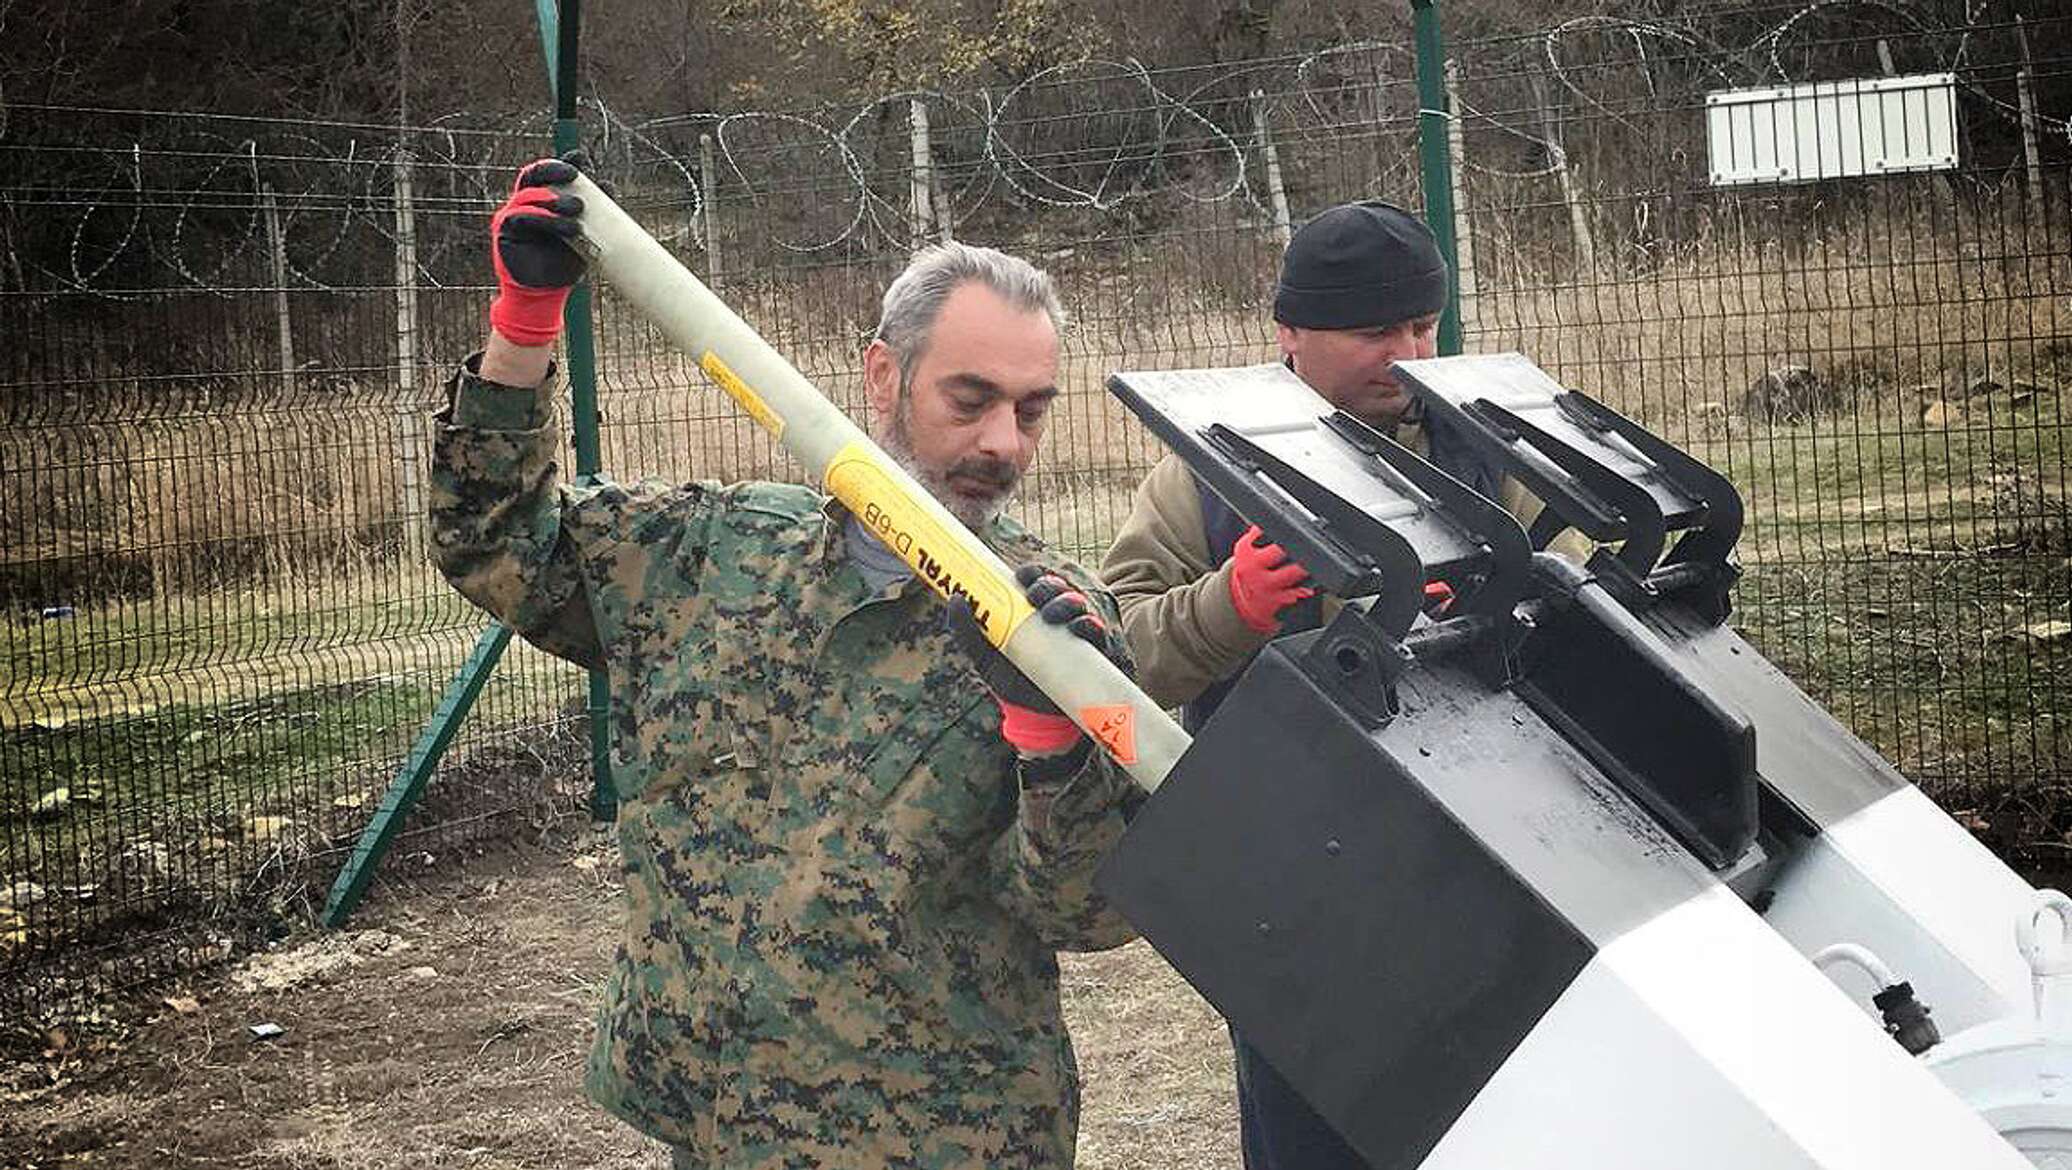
(997,473)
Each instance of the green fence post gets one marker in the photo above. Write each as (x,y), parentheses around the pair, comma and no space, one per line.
(1435,165)
(417,768)
(558,39)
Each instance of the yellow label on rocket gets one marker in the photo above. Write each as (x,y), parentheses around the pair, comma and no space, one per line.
(740,392)
(856,477)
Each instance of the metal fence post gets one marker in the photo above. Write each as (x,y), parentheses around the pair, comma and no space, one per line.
(559,32)
(920,188)
(277,248)
(708,205)
(1565,175)
(944,229)
(2025,95)
(410,779)
(410,422)
(1436,175)
(1464,241)
(1277,195)
(466,685)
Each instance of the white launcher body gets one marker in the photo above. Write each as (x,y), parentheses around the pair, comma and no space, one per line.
(1599,888)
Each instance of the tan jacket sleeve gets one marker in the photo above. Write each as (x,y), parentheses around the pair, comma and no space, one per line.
(1526,508)
(1177,615)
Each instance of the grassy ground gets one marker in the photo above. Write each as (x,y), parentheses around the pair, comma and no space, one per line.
(1916,580)
(201,773)
(1867,483)
(128,651)
(1958,670)
(133,638)
(161,795)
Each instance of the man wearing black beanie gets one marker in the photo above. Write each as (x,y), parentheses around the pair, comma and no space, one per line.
(1361,288)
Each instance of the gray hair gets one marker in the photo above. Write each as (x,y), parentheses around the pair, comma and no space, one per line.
(915,300)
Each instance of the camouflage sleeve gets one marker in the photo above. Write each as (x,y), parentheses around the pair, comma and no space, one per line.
(1066,825)
(515,541)
(1046,863)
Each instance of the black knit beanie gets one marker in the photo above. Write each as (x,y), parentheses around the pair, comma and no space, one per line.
(1360,265)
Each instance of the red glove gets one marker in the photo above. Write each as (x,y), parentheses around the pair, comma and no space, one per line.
(1036,733)
(1028,719)
(535,265)
(1264,582)
(1438,598)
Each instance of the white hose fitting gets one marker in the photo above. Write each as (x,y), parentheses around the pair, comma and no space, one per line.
(2049,955)
(1859,957)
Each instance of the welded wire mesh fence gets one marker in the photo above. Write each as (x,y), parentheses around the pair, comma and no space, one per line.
(1825,248)
(222,628)
(227,336)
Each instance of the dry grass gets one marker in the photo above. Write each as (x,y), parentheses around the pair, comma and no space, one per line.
(1156,1064)
(1899,315)
(184,504)
(175,505)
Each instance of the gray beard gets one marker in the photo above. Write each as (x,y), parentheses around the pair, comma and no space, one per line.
(898,443)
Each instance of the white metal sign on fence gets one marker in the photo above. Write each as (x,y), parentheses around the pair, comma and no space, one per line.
(1832,129)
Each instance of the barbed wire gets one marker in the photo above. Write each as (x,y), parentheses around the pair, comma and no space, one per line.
(1770,45)
(879,204)
(1089,135)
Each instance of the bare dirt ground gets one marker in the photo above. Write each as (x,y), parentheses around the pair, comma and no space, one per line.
(447,1027)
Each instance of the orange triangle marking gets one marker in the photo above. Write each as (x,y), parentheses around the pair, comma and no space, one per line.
(1115,726)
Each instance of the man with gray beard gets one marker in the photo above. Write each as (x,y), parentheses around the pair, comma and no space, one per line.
(848,869)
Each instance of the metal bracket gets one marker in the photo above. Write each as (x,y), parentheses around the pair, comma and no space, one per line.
(1598,472)
(1352,661)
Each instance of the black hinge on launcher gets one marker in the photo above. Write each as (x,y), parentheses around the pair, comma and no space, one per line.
(1698,567)
(1390,568)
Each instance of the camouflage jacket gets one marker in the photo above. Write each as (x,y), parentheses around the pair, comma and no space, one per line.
(843,902)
